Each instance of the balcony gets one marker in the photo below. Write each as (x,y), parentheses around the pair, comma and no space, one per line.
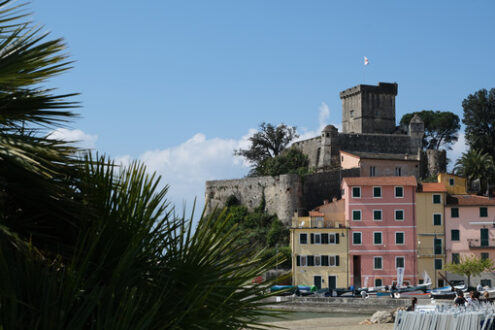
(481,243)
(429,253)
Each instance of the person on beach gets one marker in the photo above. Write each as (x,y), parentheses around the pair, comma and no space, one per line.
(460,300)
(413,305)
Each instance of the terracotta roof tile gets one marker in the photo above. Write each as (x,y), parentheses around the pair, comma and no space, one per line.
(316,214)
(433,187)
(470,200)
(381,180)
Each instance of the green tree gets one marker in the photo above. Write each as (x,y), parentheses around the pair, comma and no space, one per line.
(479,118)
(470,266)
(475,164)
(267,143)
(441,127)
(85,244)
(291,160)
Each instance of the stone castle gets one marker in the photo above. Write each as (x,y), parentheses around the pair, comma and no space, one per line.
(370,144)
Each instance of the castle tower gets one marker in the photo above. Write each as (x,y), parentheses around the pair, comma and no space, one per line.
(325,151)
(369,109)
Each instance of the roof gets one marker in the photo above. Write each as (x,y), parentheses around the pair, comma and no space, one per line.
(381,181)
(316,214)
(378,155)
(432,187)
(470,200)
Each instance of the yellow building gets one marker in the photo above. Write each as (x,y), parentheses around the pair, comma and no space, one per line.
(456,185)
(430,224)
(319,248)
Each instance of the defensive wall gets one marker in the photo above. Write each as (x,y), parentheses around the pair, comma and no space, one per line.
(284,194)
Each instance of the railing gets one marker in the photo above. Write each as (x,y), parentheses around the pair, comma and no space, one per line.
(430,253)
(481,243)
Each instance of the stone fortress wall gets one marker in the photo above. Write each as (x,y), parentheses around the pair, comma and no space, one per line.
(284,194)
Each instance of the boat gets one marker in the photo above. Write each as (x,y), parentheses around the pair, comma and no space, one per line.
(409,290)
(447,292)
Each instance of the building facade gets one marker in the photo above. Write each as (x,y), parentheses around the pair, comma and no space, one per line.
(430,228)
(319,248)
(380,215)
(470,230)
(379,164)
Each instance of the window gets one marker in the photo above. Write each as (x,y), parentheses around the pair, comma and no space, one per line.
(438,264)
(377,215)
(437,245)
(377,192)
(317,239)
(399,192)
(451,182)
(399,238)
(372,171)
(485,255)
(399,214)
(377,263)
(334,260)
(437,219)
(455,234)
(377,238)
(333,238)
(356,192)
(311,260)
(324,238)
(378,282)
(317,261)
(437,199)
(303,238)
(398,171)
(356,238)
(456,258)
(486,283)
(483,212)
(324,260)
(356,215)
(454,212)
(303,261)
(400,262)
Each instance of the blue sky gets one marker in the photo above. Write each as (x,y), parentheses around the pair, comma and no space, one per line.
(179,84)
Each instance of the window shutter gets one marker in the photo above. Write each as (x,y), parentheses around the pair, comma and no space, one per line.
(312,238)
(337,260)
(337,238)
(298,262)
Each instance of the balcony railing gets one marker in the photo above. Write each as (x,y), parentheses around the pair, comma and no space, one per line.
(481,243)
(430,253)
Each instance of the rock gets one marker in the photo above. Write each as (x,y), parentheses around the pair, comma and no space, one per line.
(382,317)
(365,322)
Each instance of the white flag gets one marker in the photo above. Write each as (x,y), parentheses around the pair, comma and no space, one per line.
(366,61)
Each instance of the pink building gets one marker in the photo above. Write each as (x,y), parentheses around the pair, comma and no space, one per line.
(380,214)
(470,230)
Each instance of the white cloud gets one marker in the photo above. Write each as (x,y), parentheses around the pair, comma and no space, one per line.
(457,149)
(323,115)
(80,139)
(187,166)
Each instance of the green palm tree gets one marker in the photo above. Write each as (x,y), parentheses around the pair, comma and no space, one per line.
(85,244)
(474,164)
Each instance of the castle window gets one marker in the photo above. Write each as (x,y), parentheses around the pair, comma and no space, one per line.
(377,192)
(377,262)
(352,113)
(399,192)
(372,171)
(398,171)
(356,192)
(483,212)
(451,182)
(378,282)
(454,212)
